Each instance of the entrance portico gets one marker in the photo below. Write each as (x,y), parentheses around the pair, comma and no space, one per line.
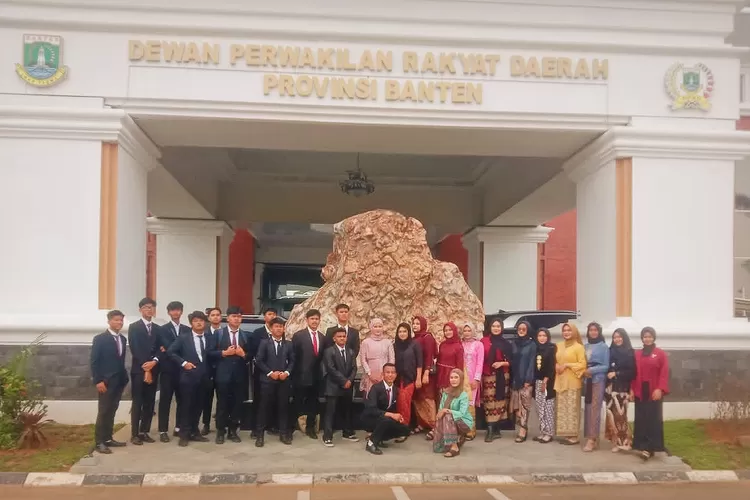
(213,140)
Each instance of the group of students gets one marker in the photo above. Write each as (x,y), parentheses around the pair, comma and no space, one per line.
(444,383)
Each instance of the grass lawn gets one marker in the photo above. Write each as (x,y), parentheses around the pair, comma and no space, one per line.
(67,444)
(707,444)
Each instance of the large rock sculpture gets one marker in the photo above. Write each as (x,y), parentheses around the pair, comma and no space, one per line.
(382,267)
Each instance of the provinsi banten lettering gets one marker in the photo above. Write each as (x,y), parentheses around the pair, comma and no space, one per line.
(306,67)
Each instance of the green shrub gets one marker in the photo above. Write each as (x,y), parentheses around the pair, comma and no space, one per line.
(19,395)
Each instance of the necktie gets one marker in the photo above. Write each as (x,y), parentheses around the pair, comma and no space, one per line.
(174,330)
(315,342)
(119,345)
(203,347)
(343,355)
(278,344)
(234,339)
(148,328)
(388,393)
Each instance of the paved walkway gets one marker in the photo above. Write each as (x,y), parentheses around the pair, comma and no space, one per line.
(309,457)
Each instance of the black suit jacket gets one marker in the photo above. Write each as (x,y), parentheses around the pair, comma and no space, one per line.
(306,363)
(143,347)
(376,404)
(337,372)
(183,350)
(232,368)
(255,338)
(107,365)
(352,339)
(212,360)
(167,336)
(268,361)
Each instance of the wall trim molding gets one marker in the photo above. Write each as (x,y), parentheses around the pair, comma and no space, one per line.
(688,144)
(506,234)
(79,124)
(185,227)
(108,226)
(624,236)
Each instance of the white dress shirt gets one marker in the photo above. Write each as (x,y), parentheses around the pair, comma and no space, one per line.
(118,340)
(197,343)
(389,388)
(276,345)
(342,353)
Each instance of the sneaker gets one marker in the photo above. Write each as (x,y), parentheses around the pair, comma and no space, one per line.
(353,438)
(328,443)
(136,440)
(146,438)
(163,437)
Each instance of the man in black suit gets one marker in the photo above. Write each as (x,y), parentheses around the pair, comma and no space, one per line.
(340,369)
(190,352)
(231,376)
(308,352)
(143,336)
(169,379)
(352,334)
(380,416)
(110,378)
(256,337)
(275,363)
(212,329)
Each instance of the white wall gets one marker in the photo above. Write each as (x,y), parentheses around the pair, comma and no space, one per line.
(130,280)
(185,271)
(595,245)
(49,200)
(683,237)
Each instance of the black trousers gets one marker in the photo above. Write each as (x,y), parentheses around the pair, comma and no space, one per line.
(193,392)
(306,403)
(229,398)
(169,382)
(273,412)
(386,428)
(105,417)
(144,399)
(208,404)
(342,406)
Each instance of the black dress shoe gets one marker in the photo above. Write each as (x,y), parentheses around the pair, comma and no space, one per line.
(163,437)
(311,434)
(372,448)
(220,438)
(183,442)
(103,449)
(233,437)
(285,439)
(205,431)
(199,439)
(146,438)
(114,444)
(259,442)
(136,441)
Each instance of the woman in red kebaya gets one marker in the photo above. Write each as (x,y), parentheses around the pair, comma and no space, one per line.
(450,356)
(425,392)
(650,385)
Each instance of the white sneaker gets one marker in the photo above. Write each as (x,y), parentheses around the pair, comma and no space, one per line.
(353,438)
(328,443)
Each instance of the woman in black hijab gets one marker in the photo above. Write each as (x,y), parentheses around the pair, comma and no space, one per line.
(617,396)
(495,378)
(544,385)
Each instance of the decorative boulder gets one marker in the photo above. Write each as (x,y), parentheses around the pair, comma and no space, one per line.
(382,267)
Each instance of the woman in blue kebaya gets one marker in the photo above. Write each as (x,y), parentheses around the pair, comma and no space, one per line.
(597,360)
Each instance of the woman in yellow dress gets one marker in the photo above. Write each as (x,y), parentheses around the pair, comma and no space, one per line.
(571,364)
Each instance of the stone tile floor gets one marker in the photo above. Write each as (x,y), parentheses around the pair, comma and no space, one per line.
(415,455)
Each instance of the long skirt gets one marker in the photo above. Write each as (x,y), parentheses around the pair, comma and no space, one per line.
(568,417)
(592,413)
(648,434)
(473,431)
(448,432)
(616,428)
(545,410)
(424,405)
(403,404)
(494,410)
(520,402)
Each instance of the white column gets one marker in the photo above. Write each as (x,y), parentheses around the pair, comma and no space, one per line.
(671,266)
(503,265)
(187,253)
(73,205)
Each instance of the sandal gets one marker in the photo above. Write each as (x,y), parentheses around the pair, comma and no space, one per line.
(452,453)
(400,440)
(417,430)
(430,436)
(568,442)
(545,439)
(520,439)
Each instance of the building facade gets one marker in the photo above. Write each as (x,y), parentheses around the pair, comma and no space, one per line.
(485,119)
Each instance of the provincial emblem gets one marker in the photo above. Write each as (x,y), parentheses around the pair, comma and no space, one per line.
(689,87)
(42,60)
